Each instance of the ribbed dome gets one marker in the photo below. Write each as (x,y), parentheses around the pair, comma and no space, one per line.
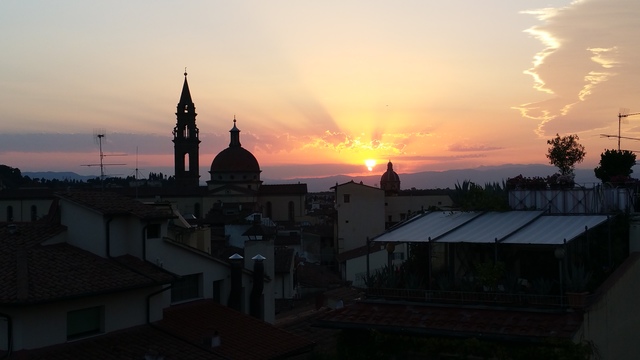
(235,159)
(390,181)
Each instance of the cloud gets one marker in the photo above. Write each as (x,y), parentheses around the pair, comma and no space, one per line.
(83,143)
(459,147)
(588,66)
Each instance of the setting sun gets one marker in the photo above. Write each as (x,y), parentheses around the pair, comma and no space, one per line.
(370,163)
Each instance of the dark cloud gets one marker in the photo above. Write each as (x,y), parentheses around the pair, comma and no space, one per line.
(472,147)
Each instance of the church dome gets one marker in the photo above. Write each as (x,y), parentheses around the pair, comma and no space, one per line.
(235,158)
(390,181)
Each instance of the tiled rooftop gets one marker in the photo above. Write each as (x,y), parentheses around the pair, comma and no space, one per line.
(132,343)
(283,189)
(497,324)
(32,272)
(359,251)
(242,336)
(109,203)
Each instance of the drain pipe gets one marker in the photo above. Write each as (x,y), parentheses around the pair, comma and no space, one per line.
(108,236)
(144,242)
(149,302)
(9,335)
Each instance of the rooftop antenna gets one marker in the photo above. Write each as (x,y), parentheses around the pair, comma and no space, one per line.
(98,135)
(622,114)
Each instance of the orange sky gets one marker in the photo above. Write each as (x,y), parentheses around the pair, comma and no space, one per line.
(317,88)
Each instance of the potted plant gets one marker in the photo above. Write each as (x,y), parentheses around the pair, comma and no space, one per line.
(576,280)
(488,274)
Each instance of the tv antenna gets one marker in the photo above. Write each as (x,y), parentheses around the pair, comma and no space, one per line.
(623,114)
(98,135)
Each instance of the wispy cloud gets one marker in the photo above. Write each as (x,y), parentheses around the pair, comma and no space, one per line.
(586,45)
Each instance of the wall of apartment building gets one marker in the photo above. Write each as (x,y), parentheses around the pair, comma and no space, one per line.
(360,211)
(611,322)
(37,326)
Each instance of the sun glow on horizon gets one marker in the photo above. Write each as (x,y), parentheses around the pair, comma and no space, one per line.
(370,163)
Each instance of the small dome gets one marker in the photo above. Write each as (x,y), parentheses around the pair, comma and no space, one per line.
(390,181)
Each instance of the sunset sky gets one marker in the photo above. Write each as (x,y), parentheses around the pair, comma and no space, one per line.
(317,87)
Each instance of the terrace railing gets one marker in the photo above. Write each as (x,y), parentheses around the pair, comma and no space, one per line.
(501,299)
(597,199)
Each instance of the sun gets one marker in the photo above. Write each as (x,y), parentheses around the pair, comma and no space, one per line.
(370,163)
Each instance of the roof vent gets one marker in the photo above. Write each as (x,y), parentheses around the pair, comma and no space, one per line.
(153,355)
(212,339)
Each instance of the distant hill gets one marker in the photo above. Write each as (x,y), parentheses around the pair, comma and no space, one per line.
(60,175)
(422,180)
(444,179)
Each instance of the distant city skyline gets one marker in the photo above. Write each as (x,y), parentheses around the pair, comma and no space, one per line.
(317,88)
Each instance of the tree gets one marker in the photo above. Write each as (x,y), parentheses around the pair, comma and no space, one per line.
(615,163)
(565,152)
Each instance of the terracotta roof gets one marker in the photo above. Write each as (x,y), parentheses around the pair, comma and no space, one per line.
(359,251)
(283,189)
(242,336)
(109,203)
(132,343)
(26,193)
(33,273)
(355,183)
(496,324)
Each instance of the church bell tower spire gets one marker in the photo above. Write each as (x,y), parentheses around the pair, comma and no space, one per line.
(185,140)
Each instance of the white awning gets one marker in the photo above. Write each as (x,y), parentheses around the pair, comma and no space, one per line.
(513,227)
(430,225)
(490,226)
(555,229)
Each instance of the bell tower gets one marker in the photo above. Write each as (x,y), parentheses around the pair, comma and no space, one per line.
(185,141)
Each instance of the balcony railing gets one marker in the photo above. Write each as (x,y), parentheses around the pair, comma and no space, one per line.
(502,299)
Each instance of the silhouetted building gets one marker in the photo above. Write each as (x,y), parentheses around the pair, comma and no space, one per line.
(390,181)
(186,141)
(235,166)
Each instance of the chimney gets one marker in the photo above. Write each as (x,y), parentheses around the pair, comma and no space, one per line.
(212,338)
(256,303)
(235,295)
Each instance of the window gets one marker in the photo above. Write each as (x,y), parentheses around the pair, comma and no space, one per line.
(269,209)
(217,291)
(153,231)
(390,218)
(9,213)
(291,211)
(186,162)
(187,288)
(347,198)
(34,213)
(85,322)
(398,256)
